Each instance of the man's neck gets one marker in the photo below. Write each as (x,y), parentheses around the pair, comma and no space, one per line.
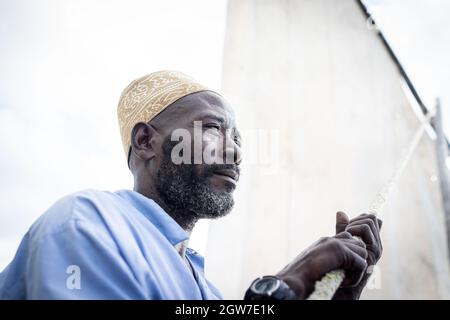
(186,220)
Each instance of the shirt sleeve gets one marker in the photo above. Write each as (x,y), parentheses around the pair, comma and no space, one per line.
(79,261)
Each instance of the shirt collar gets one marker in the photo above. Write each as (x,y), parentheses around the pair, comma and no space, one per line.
(157,216)
(196,259)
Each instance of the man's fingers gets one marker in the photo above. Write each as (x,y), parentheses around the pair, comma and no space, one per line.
(351,239)
(365,216)
(373,247)
(355,268)
(342,221)
(364,232)
(356,248)
(343,235)
(377,222)
(372,224)
(354,257)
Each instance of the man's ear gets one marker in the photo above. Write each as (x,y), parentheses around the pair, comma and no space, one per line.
(143,138)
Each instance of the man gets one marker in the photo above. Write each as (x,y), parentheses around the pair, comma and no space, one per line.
(184,150)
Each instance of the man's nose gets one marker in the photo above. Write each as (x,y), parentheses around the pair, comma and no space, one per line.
(232,152)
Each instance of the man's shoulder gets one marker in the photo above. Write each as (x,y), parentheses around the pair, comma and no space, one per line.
(83,206)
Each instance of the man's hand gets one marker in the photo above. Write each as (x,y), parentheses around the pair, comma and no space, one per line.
(342,251)
(367,227)
(330,253)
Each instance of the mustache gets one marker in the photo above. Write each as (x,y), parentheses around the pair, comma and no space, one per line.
(212,168)
(206,169)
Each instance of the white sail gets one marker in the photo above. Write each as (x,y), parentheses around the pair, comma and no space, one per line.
(333,121)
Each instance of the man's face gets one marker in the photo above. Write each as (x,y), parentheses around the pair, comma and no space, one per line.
(204,181)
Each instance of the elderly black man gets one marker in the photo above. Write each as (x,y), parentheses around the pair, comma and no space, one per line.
(184,149)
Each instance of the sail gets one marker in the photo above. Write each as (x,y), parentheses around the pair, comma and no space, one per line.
(325,119)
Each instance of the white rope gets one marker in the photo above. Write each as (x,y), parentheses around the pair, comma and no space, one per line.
(330,283)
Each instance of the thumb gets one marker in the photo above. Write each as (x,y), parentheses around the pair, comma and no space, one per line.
(342,221)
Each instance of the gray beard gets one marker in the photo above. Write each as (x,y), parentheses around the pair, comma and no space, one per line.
(187,196)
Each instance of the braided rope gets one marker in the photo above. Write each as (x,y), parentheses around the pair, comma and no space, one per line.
(325,288)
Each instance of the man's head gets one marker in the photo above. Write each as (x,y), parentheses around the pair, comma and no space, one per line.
(187,156)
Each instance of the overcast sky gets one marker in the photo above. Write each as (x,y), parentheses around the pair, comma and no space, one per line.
(419,33)
(63,65)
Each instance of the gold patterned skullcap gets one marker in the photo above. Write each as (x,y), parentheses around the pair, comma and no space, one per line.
(146,97)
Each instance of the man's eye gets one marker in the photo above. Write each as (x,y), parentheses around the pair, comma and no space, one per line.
(213,126)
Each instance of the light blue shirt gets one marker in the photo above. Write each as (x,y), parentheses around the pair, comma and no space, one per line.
(104,245)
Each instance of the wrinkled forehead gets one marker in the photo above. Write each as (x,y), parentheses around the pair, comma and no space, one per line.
(195,107)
